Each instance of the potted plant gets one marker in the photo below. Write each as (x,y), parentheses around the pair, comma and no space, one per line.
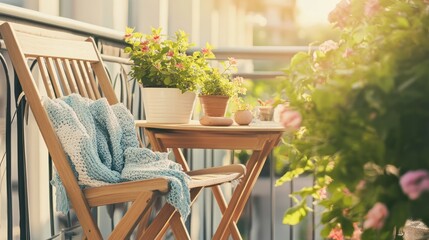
(168,75)
(219,86)
(243,114)
(266,108)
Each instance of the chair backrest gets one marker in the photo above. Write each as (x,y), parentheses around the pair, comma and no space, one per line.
(66,66)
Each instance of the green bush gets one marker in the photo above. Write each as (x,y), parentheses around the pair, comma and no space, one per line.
(365,106)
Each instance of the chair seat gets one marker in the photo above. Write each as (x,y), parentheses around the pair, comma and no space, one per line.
(123,192)
(216,175)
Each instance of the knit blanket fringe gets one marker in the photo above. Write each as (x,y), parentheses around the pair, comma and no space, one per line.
(102,147)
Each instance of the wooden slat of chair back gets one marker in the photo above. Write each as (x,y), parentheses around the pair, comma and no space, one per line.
(73,67)
(66,66)
(35,46)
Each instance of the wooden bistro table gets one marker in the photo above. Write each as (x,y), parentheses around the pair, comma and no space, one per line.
(260,138)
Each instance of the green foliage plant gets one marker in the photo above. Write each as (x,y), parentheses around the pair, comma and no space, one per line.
(220,81)
(240,104)
(161,62)
(364,100)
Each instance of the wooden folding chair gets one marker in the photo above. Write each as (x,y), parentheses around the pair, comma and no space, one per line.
(70,66)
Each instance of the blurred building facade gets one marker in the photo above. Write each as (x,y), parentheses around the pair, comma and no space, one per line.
(224,23)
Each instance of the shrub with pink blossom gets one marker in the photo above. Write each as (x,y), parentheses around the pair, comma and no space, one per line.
(363,105)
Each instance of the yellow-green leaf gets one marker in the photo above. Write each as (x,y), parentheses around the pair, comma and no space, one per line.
(295,214)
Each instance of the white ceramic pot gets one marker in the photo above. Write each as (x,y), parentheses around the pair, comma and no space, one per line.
(168,105)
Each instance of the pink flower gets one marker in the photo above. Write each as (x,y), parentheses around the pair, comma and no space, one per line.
(290,119)
(371,7)
(340,14)
(170,53)
(328,45)
(144,43)
(346,191)
(361,185)
(413,183)
(376,216)
(205,51)
(145,48)
(336,234)
(347,53)
(357,232)
(156,38)
(323,194)
(179,66)
(232,61)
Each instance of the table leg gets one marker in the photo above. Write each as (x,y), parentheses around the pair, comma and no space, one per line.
(217,192)
(156,145)
(243,190)
(254,176)
(181,159)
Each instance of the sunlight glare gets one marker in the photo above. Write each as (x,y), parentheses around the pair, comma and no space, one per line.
(314,12)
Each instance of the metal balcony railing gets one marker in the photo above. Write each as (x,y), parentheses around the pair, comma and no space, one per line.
(263,214)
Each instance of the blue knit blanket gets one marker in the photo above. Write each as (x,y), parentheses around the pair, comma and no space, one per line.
(102,147)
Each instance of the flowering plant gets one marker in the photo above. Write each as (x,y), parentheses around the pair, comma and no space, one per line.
(219,81)
(159,62)
(364,133)
(240,104)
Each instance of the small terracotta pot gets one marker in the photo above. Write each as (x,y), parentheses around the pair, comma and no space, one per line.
(243,117)
(214,106)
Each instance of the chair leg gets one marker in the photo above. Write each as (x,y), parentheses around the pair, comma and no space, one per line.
(139,207)
(143,223)
(178,227)
(233,230)
(160,224)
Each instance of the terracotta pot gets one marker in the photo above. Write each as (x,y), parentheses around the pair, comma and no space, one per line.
(214,106)
(243,117)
